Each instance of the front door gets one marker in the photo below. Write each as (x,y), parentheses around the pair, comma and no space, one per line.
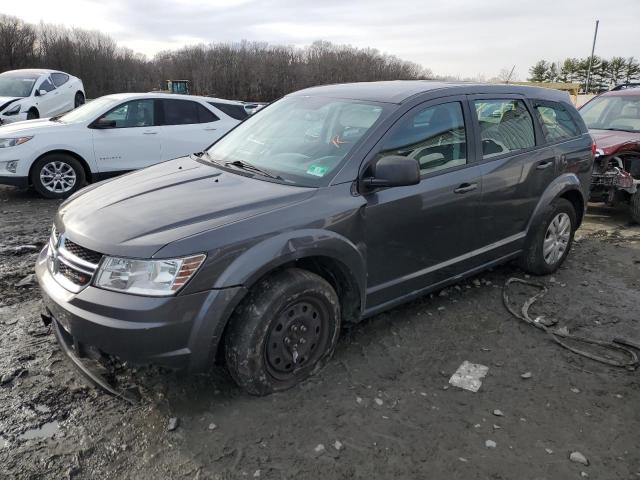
(49,103)
(420,235)
(131,141)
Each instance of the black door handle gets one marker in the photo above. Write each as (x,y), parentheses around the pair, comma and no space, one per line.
(544,164)
(466,187)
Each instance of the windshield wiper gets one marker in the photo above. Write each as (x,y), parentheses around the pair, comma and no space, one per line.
(250,167)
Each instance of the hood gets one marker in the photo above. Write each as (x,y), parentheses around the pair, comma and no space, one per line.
(6,101)
(137,214)
(31,127)
(613,141)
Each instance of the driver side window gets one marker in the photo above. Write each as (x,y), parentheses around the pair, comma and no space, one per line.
(434,136)
(46,85)
(136,113)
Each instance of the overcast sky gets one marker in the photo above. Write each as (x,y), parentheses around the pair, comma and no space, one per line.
(453,37)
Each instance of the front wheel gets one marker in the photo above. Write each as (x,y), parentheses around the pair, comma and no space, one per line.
(33,114)
(283,332)
(549,243)
(57,175)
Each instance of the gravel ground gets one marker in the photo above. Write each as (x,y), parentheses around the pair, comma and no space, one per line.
(381,409)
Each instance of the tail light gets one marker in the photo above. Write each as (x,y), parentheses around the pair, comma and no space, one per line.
(594,149)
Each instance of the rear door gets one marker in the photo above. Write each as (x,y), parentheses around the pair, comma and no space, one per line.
(422,234)
(513,168)
(133,141)
(66,92)
(188,127)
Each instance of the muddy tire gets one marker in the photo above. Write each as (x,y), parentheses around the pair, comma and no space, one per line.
(549,243)
(634,206)
(283,332)
(57,175)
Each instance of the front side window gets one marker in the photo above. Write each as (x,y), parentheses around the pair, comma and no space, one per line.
(13,84)
(505,126)
(615,112)
(301,139)
(47,86)
(434,136)
(59,79)
(556,123)
(136,113)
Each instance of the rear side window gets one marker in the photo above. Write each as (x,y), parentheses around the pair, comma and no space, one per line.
(59,79)
(505,126)
(434,136)
(185,112)
(557,124)
(234,111)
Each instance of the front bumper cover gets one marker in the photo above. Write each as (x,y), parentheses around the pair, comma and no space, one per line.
(15,180)
(180,332)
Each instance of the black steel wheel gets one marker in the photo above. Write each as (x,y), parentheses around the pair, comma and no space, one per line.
(283,332)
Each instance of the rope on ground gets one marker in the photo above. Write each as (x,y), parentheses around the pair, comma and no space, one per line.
(560,335)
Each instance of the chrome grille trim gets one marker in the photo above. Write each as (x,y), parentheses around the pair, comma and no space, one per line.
(67,268)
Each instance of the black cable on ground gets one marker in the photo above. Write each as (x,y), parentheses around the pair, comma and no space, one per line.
(559,335)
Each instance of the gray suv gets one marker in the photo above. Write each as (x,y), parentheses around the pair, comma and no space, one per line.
(328,206)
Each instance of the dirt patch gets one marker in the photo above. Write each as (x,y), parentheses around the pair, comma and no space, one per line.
(382,408)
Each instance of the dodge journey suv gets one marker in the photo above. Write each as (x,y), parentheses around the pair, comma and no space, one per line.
(328,206)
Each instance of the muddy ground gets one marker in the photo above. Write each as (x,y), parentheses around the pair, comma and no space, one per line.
(382,408)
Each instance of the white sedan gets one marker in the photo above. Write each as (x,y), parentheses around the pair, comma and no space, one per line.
(109,136)
(29,94)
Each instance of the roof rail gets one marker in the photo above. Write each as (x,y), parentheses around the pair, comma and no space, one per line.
(624,86)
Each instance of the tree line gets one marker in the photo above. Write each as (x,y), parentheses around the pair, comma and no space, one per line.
(605,73)
(243,70)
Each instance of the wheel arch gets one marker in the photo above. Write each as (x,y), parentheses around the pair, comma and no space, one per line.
(83,162)
(565,186)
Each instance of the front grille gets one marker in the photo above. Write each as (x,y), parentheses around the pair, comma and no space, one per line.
(72,265)
(81,252)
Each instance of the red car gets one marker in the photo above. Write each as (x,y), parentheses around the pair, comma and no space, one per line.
(613,119)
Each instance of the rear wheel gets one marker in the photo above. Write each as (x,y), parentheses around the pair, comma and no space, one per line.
(79,100)
(32,114)
(634,205)
(283,332)
(550,242)
(57,175)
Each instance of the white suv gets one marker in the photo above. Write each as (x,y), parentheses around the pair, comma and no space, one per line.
(109,136)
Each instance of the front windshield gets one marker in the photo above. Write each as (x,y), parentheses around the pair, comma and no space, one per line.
(616,112)
(89,111)
(303,140)
(12,85)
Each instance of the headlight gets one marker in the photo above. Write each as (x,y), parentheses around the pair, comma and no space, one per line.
(158,278)
(13,110)
(12,142)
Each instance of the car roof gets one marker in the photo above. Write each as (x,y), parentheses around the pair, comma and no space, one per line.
(626,92)
(398,91)
(33,71)
(174,96)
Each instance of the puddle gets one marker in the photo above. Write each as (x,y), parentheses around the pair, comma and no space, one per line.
(47,430)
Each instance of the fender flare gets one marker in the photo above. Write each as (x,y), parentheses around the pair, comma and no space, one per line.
(288,247)
(559,186)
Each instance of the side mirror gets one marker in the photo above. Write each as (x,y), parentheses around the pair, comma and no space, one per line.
(103,123)
(41,93)
(394,171)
